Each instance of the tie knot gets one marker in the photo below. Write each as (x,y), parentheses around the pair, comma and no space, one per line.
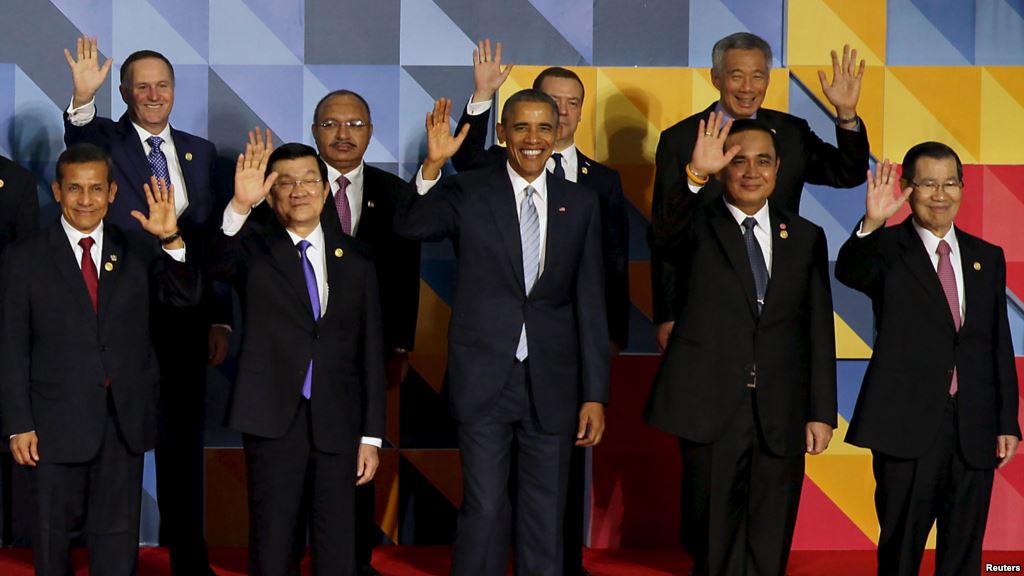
(87,243)
(343,182)
(749,222)
(529,191)
(303,246)
(943,248)
(557,157)
(154,142)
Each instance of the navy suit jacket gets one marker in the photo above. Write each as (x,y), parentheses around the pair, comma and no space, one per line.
(566,328)
(19,205)
(605,182)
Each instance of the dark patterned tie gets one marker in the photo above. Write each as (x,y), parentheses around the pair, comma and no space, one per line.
(314,299)
(948,280)
(558,170)
(342,205)
(157,160)
(89,273)
(756,257)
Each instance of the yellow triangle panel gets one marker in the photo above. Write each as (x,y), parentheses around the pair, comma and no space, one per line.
(825,25)
(908,121)
(849,482)
(523,76)
(951,95)
(849,346)
(1002,106)
(633,106)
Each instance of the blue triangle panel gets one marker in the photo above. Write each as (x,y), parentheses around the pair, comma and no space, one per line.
(999,33)
(764,18)
(850,375)
(191,99)
(573,20)
(904,48)
(1016,315)
(191,18)
(378,85)
(854,308)
(7,74)
(280,108)
(286,18)
(954,19)
(94,18)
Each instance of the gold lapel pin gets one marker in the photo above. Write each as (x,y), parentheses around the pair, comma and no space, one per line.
(583,169)
(784,234)
(338,253)
(109,266)
(1,182)
(369,204)
(977,265)
(113,257)
(188,156)
(561,208)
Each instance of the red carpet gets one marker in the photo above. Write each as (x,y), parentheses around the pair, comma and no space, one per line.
(434,561)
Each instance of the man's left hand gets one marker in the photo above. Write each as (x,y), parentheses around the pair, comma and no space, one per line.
(366,463)
(591,426)
(163,219)
(217,345)
(1006,447)
(819,435)
(844,91)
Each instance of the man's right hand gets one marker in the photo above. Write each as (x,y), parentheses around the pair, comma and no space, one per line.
(661,334)
(25,448)
(709,153)
(488,75)
(884,198)
(86,71)
(441,144)
(250,184)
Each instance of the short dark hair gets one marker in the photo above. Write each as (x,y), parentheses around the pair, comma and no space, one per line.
(527,95)
(933,150)
(558,72)
(739,41)
(142,55)
(338,94)
(84,153)
(749,124)
(294,151)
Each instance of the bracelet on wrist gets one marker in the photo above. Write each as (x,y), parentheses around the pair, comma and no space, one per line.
(841,120)
(169,239)
(696,177)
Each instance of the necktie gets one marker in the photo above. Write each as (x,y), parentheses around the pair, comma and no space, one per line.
(157,160)
(948,280)
(558,170)
(529,232)
(756,257)
(314,299)
(341,203)
(89,273)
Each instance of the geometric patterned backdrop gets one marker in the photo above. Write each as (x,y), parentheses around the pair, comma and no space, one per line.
(949,70)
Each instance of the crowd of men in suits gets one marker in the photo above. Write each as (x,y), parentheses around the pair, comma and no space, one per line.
(111,313)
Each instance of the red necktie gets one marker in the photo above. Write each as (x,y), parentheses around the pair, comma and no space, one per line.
(89,274)
(341,203)
(948,280)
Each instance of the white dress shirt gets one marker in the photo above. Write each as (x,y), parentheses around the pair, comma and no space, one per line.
(931,246)
(232,222)
(87,112)
(354,192)
(762,230)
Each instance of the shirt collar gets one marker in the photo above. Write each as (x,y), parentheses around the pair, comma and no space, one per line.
(761,216)
(931,241)
(519,183)
(720,108)
(570,154)
(74,235)
(164,134)
(316,238)
(353,176)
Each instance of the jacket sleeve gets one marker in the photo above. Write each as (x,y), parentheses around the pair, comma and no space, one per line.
(844,166)
(592,324)
(1005,367)
(15,344)
(861,264)
(373,377)
(616,264)
(822,404)
(474,152)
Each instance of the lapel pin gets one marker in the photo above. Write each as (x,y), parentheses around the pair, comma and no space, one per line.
(977,265)
(583,169)
(369,203)
(338,253)
(773,130)
(109,266)
(561,208)
(784,234)
(113,257)
(188,156)
(1,182)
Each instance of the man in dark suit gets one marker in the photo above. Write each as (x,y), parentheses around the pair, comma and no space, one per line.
(528,340)
(80,383)
(748,381)
(364,199)
(938,405)
(740,72)
(309,396)
(566,88)
(143,144)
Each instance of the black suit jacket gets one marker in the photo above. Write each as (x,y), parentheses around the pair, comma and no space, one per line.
(19,205)
(567,332)
(397,259)
(196,157)
(614,216)
(906,386)
(805,157)
(57,352)
(281,336)
(719,339)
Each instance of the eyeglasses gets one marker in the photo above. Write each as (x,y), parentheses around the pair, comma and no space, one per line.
(357,124)
(931,186)
(310,185)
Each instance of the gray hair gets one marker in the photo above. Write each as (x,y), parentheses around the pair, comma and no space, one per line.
(738,41)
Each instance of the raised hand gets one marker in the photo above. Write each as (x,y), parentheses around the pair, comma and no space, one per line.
(86,72)
(163,219)
(844,90)
(488,75)
(441,144)
(709,153)
(884,198)
(250,184)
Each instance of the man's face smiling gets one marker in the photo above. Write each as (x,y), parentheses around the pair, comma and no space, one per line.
(84,194)
(529,133)
(148,90)
(749,178)
(742,82)
(298,206)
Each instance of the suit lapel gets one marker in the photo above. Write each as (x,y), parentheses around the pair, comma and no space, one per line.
(731,240)
(188,170)
(286,258)
(368,214)
(782,259)
(110,276)
(502,199)
(64,259)
(140,171)
(335,266)
(558,196)
(920,265)
(971,277)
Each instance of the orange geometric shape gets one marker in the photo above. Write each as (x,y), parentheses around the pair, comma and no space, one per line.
(821,525)
(523,77)
(633,106)
(870,107)
(443,468)
(386,481)
(960,115)
(637,185)
(1002,106)
(430,357)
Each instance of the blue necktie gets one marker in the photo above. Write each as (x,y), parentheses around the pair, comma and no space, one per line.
(756,257)
(157,160)
(558,170)
(314,299)
(529,232)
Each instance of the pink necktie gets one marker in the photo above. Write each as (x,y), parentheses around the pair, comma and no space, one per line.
(341,203)
(948,280)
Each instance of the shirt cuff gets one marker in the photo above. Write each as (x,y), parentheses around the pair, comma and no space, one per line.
(860,228)
(422,186)
(224,326)
(232,221)
(83,114)
(371,441)
(477,108)
(177,253)
(693,187)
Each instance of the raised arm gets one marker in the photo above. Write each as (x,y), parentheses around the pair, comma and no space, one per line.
(87,74)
